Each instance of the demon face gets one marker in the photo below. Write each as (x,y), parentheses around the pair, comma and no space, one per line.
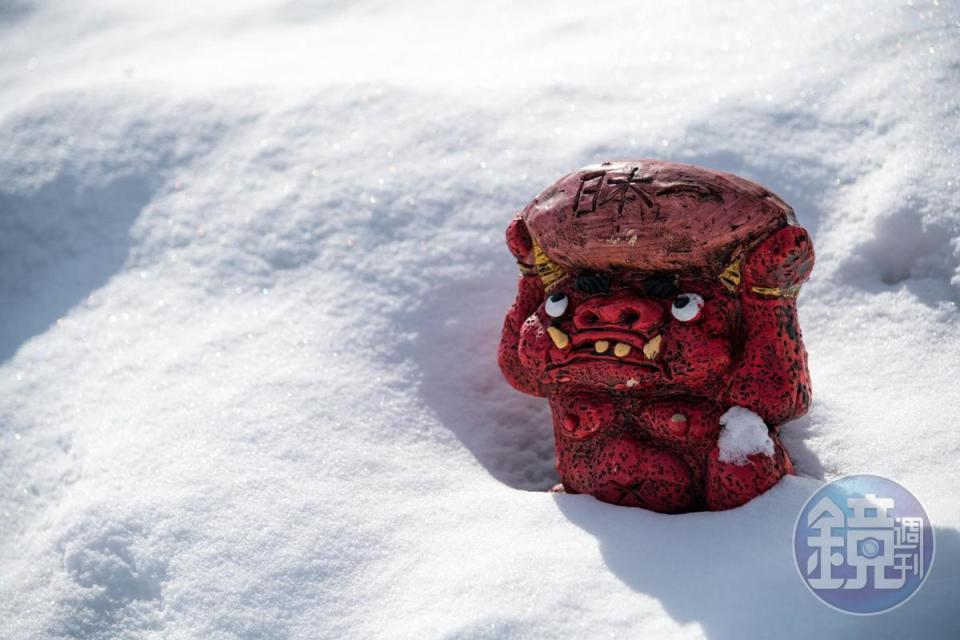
(631,333)
(656,312)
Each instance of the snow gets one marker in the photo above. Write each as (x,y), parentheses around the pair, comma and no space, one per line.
(252,275)
(744,434)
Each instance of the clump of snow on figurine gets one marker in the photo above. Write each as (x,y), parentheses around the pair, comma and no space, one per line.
(743,434)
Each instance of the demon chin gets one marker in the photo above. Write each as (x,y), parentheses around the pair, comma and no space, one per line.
(656,312)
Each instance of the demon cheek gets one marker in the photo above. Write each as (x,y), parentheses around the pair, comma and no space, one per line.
(699,362)
(719,324)
(534,344)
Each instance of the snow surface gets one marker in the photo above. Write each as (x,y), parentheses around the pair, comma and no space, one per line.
(744,434)
(252,276)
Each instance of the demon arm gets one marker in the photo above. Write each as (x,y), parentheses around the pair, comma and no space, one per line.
(771,377)
(529,297)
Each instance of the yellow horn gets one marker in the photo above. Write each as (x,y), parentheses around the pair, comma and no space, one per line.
(730,276)
(548,270)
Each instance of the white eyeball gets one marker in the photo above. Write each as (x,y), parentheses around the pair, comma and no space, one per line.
(556,305)
(687,307)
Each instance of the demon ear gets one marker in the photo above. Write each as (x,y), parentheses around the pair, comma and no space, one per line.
(531,258)
(780,264)
(519,242)
(530,292)
(775,268)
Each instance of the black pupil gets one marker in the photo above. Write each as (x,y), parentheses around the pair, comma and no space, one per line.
(681,302)
(557,297)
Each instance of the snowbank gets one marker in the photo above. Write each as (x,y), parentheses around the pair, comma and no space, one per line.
(251,282)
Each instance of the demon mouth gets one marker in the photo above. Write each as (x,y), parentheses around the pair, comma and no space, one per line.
(607,345)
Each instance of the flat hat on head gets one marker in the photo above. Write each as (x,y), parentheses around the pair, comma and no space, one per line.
(651,216)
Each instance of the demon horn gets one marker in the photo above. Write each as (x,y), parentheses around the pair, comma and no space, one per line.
(548,270)
(730,276)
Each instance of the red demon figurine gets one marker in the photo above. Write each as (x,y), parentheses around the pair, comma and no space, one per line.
(656,312)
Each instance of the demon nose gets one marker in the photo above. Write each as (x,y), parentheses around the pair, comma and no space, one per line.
(619,312)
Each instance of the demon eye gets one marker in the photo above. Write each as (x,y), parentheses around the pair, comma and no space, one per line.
(556,305)
(687,307)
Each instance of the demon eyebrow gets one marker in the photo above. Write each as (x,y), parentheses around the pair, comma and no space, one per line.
(591,282)
(661,286)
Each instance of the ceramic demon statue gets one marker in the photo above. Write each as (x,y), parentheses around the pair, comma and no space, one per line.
(656,312)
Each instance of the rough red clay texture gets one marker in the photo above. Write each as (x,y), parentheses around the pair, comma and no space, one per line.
(653,297)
